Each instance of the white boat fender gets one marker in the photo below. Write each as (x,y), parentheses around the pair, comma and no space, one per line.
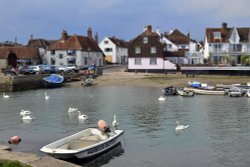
(15,140)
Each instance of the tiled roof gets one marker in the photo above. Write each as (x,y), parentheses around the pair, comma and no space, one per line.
(180,53)
(119,42)
(226,33)
(177,37)
(153,41)
(20,52)
(38,43)
(75,42)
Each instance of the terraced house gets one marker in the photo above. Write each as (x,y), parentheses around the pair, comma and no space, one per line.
(75,49)
(227,45)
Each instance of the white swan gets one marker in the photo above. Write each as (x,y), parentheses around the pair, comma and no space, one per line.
(82,116)
(162,98)
(5,96)
(27,117)
(180,127)
(25,112)
(115,123)
(46,96)
(72,110)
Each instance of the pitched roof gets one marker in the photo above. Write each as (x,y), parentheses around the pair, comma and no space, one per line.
(76,42)
(226,34)
(153,41)
(119,42)
(20,52)
(177,37)
(38,43)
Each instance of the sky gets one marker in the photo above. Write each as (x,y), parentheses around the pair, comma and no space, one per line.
(124,19)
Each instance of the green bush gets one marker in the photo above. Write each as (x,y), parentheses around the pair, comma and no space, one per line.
(7,163)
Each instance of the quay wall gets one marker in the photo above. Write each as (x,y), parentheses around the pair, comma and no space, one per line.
(28,82)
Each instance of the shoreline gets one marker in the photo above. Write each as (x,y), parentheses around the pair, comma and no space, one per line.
(160,80)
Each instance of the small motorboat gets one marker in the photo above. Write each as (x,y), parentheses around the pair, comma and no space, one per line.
(169,91)
(234,92)
(185,93)
(87,143)
(207,91)
(53,81)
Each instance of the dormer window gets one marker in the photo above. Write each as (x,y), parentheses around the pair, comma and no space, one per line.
(145,40)
(217,35)
(106,42)
(137,50)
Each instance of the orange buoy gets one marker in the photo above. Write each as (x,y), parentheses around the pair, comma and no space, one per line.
(15,140)
(102,124)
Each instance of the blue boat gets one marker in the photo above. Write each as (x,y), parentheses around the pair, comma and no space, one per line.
(53,81)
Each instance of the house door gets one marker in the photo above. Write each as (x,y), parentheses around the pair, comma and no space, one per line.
(12,60)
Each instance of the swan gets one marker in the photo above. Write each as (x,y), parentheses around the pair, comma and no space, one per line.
(82,116)
(180,127)
(25,112)
(27,117)
(72,110)
(115,123)
(5,96)
(162,98)
(46,96)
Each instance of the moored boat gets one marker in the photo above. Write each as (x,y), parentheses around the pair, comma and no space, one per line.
(185,93)
(87,143)
(53,81)
(170,91)
(207,91)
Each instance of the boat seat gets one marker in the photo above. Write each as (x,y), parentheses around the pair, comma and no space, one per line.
(78,144)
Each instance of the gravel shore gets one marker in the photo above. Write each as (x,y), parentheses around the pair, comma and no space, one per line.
(121,78)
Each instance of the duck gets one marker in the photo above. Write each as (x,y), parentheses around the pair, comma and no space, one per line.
(115,123)
(25,112)
(82,116)
(162,98)
(46,96)
(72,110)
(5,96)
(180,127)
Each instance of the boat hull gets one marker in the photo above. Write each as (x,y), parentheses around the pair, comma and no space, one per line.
(53,81)
(185,93)
(207,91)
(81,153)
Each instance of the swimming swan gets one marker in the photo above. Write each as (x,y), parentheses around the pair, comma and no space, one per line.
(25,112)
(27,117)
(46,96)
(180,127)
(72,110)
(5,96)
(82,116)
(162,98)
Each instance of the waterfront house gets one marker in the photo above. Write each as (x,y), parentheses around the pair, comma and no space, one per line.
(177,41)
(115,50)
(147,53)
(14,56)
(227,45)
(75,49)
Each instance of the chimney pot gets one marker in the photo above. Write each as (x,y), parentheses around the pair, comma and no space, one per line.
(89,32)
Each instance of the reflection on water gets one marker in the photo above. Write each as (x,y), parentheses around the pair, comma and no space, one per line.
(218,135)
(101,159)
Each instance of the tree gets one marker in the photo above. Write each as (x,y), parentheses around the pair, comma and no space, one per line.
(244,59)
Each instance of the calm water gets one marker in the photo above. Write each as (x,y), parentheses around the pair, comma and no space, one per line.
(218,136)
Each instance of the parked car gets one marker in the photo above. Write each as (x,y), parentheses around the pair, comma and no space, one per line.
(33,69)
(72,68)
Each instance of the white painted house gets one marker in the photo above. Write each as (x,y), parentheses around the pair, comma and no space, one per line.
(74,49)
(115,50)
(227,45)
(148,54)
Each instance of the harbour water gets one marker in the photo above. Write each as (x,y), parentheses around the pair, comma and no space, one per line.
(218,133)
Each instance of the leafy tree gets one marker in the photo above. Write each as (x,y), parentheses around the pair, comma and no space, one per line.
(244,59)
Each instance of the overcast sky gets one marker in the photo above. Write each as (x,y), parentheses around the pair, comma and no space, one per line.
(121,18)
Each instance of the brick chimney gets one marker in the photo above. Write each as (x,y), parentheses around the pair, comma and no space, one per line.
(224,25)
(96,37)
(64,35)
(89,32)
(149,28)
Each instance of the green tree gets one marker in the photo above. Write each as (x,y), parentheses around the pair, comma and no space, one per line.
(244,59)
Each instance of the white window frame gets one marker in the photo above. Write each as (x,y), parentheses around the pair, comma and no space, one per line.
(145,40)
(217,35)
(153,60)
(137,60)
(153,50)
(137,50)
